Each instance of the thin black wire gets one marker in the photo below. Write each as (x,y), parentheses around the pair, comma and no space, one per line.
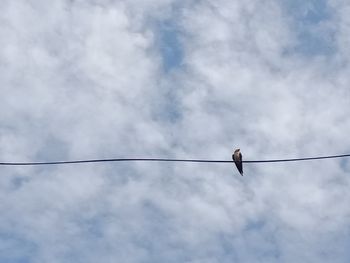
(167,160)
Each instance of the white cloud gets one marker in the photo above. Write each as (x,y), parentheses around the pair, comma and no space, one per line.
(85,80)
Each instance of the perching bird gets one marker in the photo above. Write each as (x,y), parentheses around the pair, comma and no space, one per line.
(237,158)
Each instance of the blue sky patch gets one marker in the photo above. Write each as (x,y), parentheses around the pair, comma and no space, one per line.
(169,45)
(309,22)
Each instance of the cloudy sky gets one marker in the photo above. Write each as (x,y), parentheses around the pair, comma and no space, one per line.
(178,79)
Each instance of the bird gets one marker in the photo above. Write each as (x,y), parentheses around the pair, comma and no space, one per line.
(237,158)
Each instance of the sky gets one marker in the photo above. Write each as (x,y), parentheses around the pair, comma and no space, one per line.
(174,79)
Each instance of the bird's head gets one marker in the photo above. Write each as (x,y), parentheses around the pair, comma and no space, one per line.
(237,150)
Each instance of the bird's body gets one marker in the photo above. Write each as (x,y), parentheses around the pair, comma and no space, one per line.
(237,158)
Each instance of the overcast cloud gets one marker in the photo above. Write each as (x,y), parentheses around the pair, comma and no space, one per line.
(180,79)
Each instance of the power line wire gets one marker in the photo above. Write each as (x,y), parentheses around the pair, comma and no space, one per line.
(167,160)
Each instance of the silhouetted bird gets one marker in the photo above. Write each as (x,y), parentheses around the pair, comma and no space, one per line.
(237,158)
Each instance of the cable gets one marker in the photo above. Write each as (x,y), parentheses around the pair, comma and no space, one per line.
(299,159)
(167,160)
